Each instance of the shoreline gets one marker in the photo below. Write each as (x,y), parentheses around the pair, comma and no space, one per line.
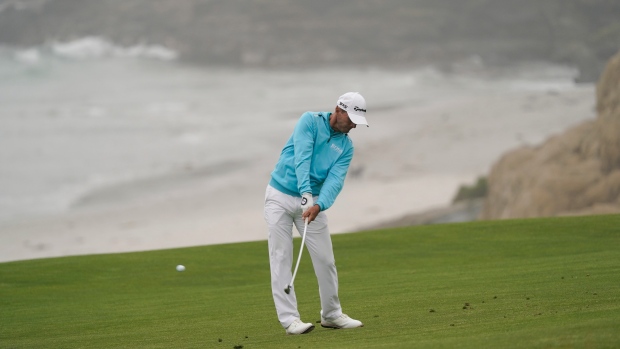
(192,220)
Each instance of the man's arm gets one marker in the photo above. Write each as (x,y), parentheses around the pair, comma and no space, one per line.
(331,187)
(335,180)
(303,143)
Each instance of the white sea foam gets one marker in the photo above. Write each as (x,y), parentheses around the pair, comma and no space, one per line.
(89,48)
(28,56)
(18,5)
(97,47)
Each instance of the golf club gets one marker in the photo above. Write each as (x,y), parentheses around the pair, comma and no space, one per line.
(301,249)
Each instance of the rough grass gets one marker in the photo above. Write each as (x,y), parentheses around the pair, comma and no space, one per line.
(541,283)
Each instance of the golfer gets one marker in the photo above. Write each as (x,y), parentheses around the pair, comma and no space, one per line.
(304,184)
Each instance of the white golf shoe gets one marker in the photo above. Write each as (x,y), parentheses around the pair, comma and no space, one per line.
(298,327)
(343,321)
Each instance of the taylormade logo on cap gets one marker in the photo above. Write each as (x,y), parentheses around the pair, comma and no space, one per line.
(355,105)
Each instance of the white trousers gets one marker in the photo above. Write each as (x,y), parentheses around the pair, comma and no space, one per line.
(281,212)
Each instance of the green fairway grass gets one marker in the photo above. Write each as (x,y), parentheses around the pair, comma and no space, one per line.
(537,283)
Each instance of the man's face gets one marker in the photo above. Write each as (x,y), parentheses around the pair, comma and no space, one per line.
(341,121)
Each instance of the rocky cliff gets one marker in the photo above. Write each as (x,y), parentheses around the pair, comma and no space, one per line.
(577,172)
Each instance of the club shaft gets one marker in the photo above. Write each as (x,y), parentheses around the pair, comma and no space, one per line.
(301,249)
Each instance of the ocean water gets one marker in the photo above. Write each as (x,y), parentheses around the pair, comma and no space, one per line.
(81,117)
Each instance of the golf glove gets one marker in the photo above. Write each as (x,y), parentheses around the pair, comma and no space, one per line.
(306,201)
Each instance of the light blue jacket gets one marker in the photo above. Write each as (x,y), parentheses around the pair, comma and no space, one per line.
(314,160)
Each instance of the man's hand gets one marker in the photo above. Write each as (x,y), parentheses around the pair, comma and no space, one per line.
(311,213)
(306,202)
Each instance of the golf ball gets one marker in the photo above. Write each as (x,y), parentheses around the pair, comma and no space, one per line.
(180,267)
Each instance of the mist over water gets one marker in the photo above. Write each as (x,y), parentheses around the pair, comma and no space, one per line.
(82,129)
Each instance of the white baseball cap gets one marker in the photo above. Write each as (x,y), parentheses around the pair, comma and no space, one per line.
(355,105)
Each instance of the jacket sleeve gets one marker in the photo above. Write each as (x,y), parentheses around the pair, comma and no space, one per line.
(303,143)
(335,180)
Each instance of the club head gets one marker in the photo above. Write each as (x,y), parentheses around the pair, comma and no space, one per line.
(287,290)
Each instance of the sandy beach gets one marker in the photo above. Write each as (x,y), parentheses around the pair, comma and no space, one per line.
(412,158)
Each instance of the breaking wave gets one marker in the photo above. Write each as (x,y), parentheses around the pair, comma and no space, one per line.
(92,47)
